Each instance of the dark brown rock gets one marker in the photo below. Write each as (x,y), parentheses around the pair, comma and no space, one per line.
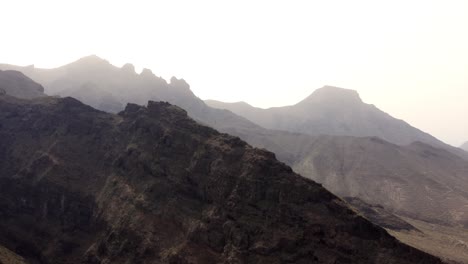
(150,185)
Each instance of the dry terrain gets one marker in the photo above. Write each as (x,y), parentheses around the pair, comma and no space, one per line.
(9,257)
(451,243)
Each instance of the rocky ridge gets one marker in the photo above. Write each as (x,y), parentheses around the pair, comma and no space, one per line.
(150,185)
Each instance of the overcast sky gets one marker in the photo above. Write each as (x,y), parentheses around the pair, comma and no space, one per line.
(409,58)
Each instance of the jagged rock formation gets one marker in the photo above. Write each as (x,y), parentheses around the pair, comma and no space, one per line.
(103,86)
(150,185)
(335,111)
(16,84)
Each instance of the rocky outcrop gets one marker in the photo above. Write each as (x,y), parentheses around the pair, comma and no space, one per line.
(150,185)
(147,73)
(128,68)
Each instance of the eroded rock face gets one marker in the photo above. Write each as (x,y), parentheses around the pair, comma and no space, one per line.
(150,185)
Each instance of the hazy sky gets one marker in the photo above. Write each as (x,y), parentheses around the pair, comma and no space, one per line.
(409,58)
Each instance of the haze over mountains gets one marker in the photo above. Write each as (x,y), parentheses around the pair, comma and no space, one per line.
(150,185)
(108,88)
(413,179)
(334,111)
(330,110)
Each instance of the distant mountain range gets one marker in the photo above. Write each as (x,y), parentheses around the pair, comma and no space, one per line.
(335,111)
(426,181)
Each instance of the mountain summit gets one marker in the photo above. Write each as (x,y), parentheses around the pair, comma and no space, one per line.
(332,94)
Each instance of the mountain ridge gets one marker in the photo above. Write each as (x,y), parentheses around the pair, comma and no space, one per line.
(294,149)
(151,184)
(300,151)
(106,87)
(335,111)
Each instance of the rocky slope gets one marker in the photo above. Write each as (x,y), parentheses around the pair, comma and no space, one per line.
(381,216)
(417,180)
(335,111)
(16,84)
(150,185)
(8,257)
(305,153)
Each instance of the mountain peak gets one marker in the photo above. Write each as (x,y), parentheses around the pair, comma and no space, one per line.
(147,73)
(128,67)
(179,83)
(331,93)
(91,60)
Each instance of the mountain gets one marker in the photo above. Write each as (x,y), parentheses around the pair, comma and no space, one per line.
(418,192)
(16,84)
(329,110)
(464,146)
(335,111)
(106,87)
(78,185)
(417,180)
(325,159)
